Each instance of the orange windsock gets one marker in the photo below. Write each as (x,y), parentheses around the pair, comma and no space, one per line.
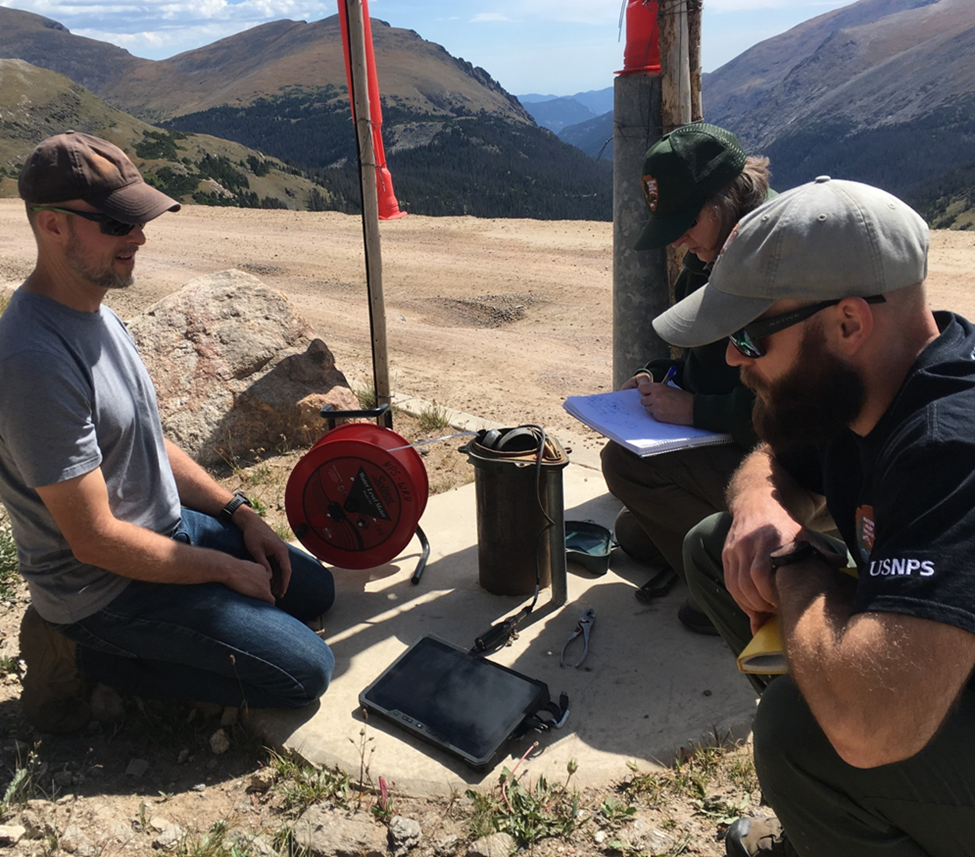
(388,206)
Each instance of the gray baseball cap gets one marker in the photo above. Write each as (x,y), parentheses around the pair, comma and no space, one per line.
(823,240)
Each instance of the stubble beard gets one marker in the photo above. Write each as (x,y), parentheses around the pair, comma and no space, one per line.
(815,401)
(103,278)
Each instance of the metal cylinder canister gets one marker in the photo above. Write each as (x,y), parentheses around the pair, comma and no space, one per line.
(520,511)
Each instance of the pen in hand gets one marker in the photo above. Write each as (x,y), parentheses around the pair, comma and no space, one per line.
(671,373)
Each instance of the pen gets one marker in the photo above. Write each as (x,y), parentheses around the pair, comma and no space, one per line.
(671,372)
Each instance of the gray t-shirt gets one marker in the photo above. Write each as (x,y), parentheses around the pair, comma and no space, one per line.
(74,395)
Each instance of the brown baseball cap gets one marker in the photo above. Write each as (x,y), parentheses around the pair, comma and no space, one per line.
(79,166)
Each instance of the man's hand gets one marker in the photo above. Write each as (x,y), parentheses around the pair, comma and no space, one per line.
(747,570)
(666,404)
(636,380)
(267,549)
(766,506)
(251,579)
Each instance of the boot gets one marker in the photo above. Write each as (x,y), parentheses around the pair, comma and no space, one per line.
(758,837)
(53,694)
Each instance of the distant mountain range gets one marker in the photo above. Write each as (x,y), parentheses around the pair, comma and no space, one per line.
(882,91)
(456,142)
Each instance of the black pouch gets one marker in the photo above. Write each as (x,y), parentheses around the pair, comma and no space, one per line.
(588,544)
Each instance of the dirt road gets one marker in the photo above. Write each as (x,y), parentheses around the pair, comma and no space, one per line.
(499,318)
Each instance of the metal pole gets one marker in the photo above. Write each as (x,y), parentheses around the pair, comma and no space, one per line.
(370,204)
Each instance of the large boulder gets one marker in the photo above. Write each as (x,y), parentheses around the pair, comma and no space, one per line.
(237,371)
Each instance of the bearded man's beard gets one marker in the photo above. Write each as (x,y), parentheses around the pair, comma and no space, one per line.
(815,401)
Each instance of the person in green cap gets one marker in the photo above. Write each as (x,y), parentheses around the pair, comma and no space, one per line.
(698,183)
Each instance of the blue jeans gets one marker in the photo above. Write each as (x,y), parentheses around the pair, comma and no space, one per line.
(207,643)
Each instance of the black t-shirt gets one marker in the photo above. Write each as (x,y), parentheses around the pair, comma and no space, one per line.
(904,496)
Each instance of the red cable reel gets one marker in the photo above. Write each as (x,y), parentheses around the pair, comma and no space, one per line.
(354,500)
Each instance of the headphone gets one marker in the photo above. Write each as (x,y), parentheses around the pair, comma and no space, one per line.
(520,439)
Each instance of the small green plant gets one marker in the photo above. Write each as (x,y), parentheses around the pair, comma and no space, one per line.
(24,783)
(367,397)
(616,810)
(527,813)
(8,665)
(721,811)
(382,809)
(433,418)
(8,564)
(300,785)
(210,844)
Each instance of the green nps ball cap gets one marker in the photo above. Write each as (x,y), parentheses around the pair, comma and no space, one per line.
(681,171)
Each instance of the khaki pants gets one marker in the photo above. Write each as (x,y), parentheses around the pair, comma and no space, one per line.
(670,493)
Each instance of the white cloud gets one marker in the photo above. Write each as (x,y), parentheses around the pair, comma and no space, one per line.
(488,17)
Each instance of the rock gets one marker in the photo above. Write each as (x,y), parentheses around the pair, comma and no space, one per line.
(75,842)
(495,845)
(219,742)
(63,779)
(169,836)
(11,834)
(329,833)
(261,780)
(640,836)
(106,704)
(249,844)
(403,834)
(236,368)
(137,768)
(229,716)
(447,845)
(36,823)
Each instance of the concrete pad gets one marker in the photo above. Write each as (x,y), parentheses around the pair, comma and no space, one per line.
(647,688)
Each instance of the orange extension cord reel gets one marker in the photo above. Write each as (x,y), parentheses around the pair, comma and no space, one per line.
(354,500)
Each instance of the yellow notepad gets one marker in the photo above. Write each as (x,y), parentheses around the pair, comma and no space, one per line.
(765,654)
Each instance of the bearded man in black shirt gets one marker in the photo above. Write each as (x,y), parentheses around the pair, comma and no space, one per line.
(865,399)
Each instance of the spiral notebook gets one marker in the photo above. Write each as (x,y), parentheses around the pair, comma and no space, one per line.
(620,417)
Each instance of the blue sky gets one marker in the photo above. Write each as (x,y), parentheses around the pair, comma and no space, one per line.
(556,47)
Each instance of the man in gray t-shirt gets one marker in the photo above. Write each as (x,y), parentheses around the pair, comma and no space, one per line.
(144,573)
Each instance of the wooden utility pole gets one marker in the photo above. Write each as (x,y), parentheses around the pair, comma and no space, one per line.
(674,63)
(370,204)
(694,8)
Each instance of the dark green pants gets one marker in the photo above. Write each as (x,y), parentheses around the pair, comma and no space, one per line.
(922,806)
(668,494)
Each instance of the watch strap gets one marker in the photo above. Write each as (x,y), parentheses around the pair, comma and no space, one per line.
(801,550)
(227,512)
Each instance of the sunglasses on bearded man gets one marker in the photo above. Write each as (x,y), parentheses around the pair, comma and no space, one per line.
(107,225)
(748,340)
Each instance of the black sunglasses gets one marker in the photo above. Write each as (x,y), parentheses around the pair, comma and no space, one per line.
(108,225)
(748,340)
